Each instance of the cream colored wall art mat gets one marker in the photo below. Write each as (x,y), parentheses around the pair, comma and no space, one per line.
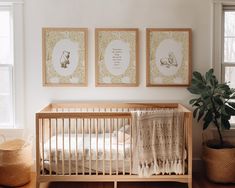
(64,56)
(116,57)
(168,57)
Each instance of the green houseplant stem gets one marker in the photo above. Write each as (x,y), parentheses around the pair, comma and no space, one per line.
(214,102)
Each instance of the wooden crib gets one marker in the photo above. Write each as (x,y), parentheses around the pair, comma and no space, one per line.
(82,142)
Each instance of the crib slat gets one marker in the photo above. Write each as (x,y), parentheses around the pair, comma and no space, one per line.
(184,145)
(43,172)
(124,147)
(185,123)
(83,149)
(90,157)
(131,124)
(49,146)
(76,149)
(69,146)
(117,148)
(97,125)
(110,137)
(63,146)
(186,140)
(56,153)
(38,146)
(104,148)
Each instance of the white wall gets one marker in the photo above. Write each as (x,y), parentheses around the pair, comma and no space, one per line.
(195,14)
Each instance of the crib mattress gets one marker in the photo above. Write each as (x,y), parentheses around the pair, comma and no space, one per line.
(88,148)
(89,166)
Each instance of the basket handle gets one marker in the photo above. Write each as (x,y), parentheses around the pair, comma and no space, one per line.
(3,137)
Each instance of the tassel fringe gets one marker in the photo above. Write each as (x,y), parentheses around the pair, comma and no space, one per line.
(160,167)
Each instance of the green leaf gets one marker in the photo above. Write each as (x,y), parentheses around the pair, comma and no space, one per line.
(193,90)
(226,96)
(225,117)
(192,101)
(209,74)
(229,110)
(212,82)
(218,100)
(208,116)
(223,87)
(225,123)
(194,81)
(205,94)
(232,96)
(232,104)
(195,112)
(196,104)
(207,119)
(197,75)
(223,111)
(200,114)
(206,124)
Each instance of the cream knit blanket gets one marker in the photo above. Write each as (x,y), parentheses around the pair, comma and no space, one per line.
(158,142)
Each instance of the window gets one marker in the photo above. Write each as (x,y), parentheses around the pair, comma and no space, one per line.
(6,68)
(11,67)
(228,63)
(224,42)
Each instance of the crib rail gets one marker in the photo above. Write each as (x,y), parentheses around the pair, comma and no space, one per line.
(107,106)
(71,140)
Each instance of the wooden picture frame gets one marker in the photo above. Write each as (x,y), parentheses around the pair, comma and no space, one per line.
(116,57)
(64,56)
(168,57)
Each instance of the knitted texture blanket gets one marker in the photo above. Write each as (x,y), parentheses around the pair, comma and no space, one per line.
(158,142)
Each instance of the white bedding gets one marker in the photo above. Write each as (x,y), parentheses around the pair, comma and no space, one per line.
(115,167)
(91,152)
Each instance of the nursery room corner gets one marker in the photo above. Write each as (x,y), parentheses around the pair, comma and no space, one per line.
(117,94)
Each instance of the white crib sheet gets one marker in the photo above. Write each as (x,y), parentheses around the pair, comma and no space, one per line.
(113,166)
(113,149)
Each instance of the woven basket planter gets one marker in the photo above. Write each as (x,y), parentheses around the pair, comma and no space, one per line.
(15,163)
(219,164)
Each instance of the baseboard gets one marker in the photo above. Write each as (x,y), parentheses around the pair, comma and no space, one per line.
(197,165)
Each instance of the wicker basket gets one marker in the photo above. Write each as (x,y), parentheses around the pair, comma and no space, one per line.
(15,162)
(219,164)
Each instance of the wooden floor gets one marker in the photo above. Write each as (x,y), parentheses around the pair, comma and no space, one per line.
(198,182)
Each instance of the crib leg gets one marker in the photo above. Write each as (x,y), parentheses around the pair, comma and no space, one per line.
(115,184)
(190,184)
(37,184)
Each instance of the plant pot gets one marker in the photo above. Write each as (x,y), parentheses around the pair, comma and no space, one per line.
(219,164)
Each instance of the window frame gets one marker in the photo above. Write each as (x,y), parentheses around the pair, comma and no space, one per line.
(218,35)
(17,27)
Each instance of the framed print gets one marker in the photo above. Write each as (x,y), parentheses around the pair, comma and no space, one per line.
(168,57)
(116,61)
(64,56)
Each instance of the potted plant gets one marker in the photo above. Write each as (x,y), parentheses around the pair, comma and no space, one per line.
(215,106)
